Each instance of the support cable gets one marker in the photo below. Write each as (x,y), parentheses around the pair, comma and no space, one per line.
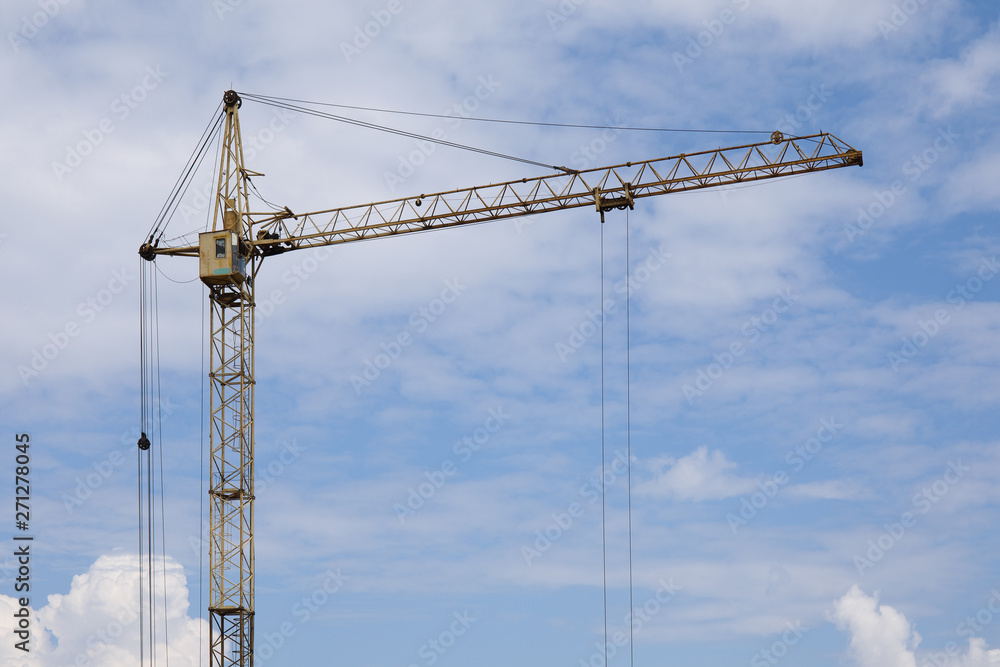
(183,238)
(183,182)
(262,98)
(403,133)
(272,205)
(191,166)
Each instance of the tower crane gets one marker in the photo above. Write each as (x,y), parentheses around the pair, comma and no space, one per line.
(231,254)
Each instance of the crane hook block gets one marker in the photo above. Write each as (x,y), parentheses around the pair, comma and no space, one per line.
(143,442)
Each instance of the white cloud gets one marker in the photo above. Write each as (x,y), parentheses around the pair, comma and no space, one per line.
(701,475)
(834,489)
(97,622)
(882,637)
(969,185)
(966,80)
(732,250)
(978,655)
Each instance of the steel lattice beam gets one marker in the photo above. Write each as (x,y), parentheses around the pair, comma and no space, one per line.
(602,188)
(231,559)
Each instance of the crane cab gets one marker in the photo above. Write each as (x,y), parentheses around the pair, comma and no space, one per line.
(220,260)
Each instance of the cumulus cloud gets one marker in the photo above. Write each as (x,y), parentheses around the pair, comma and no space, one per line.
(97,622)
(978,655)
(882,637)
(701,475)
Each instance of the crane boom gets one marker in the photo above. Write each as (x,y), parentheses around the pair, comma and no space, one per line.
(604,188)
(231,254)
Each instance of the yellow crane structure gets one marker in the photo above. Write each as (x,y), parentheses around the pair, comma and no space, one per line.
(231,254)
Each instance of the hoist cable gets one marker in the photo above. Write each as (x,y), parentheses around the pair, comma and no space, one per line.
(146,522)
(628,426)
(142,413)
(142,651)
(201,501)
(159,428)
(402,133)
(151,523)
(150,516)
(261,98)
(151,432)
(604,529)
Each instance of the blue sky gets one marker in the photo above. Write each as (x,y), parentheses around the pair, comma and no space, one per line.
(825,497)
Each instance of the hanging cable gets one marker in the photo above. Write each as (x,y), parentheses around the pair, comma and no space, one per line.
(149,426)
(201,468)
(143,447)
(205,333)
(150,465)
(150,552)
(178,282)
(261,98)
(151,419)
(253,187)
(604,530)
(159,431)
(628,426)
(138,459)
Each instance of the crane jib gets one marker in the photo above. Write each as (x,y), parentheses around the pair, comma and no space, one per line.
(604,188)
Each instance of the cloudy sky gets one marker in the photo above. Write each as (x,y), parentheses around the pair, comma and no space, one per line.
(828,496)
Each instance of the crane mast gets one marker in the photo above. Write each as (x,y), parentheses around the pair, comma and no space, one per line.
(228,267)
(231,254)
